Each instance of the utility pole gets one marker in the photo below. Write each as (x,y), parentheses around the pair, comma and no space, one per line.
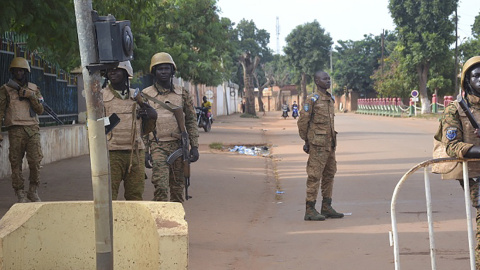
(102,196)
(278,35)
(383,48)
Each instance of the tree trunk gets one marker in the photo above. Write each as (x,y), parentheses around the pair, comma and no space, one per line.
(248,71)
(422,71)
(303,85)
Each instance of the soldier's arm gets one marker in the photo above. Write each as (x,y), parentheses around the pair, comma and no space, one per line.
(190,118)
(35,101)
(452,133)
(150,121)
(304,119)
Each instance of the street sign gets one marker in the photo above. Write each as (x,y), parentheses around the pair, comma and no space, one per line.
(209,94)
(414,93)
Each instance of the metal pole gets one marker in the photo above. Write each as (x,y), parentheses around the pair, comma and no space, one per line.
(428,196)
(97,141)
(468,208)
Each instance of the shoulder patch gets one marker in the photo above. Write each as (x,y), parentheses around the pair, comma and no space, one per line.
(451,133)
(314,97)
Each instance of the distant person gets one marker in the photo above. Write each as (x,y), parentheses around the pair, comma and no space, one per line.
(20,105)
(243,106)
(316,128)
(207,106)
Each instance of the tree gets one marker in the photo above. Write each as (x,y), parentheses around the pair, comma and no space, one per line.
(476,26)
(307,50)
(356,61)
(425,32)
(251,50)
(249,66)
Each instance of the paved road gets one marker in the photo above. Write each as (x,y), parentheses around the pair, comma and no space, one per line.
(247,212)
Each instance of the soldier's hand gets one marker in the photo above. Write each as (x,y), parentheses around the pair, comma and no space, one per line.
(306,148)
(26,93)
(476,132)
(194,155)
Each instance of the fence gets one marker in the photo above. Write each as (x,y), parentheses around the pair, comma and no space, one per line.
(394,232)
(394,107)
(58,88)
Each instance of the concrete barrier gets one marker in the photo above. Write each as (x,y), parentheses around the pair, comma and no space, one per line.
(60,235)
(57,143)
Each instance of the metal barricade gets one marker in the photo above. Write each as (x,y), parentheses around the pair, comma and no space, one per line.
(468,208)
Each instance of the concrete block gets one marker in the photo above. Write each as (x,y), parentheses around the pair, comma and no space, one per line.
(61,235)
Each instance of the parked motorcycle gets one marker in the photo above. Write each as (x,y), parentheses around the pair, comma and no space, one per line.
(295,112)
(202,119)
(285,111)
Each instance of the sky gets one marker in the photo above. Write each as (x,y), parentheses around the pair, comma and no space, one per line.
(343,20)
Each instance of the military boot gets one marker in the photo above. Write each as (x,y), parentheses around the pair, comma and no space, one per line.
(311,213)
(327,209)
(21,196)
(32,194)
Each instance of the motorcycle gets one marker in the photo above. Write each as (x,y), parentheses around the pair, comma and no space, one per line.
(202,120)
(285,112)
(295,112)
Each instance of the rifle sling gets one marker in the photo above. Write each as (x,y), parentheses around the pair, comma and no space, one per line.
(161,103)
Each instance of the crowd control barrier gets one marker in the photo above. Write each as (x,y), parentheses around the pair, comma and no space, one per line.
(393,107)
(468,208)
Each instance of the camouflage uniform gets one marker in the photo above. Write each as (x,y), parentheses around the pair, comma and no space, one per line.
(169,180)
(23,133)
(457,133)
(125,144)
(316,126)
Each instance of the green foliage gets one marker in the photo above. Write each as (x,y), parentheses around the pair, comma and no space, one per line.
(469,49)
(216,145)
(476,27)
(49,26)
(308,48)
(355,62)
(246,37)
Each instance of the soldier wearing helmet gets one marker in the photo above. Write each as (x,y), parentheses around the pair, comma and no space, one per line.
(125,144)
(168,180)
(20,104)
(461,139)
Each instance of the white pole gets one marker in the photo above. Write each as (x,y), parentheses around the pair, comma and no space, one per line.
(468,208)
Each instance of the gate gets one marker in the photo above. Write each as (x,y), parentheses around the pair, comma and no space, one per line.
(468,209)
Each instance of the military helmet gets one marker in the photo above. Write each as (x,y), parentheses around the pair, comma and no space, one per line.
(466,67)
(126,66)
(162,58)
(19,62)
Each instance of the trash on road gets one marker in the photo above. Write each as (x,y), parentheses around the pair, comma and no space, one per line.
(251,150)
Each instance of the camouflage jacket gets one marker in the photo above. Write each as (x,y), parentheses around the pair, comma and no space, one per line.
(316,121)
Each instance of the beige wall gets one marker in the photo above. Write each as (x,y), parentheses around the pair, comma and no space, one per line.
(61,235)
(57,143)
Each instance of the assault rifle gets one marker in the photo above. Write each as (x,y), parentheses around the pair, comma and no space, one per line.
(467,112)
(46,108)
(183,151)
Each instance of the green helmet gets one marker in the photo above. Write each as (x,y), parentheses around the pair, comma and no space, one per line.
(162,58)
(19,62)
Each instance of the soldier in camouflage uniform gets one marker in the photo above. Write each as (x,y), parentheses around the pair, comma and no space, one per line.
(18,110)
(461,139)
(316,128)
(125,144)
(169,180)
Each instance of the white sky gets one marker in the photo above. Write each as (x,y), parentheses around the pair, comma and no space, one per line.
(344,20)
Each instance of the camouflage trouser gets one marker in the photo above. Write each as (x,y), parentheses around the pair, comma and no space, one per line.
(321,166)
(167,178)
(24,139)
(133,181)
